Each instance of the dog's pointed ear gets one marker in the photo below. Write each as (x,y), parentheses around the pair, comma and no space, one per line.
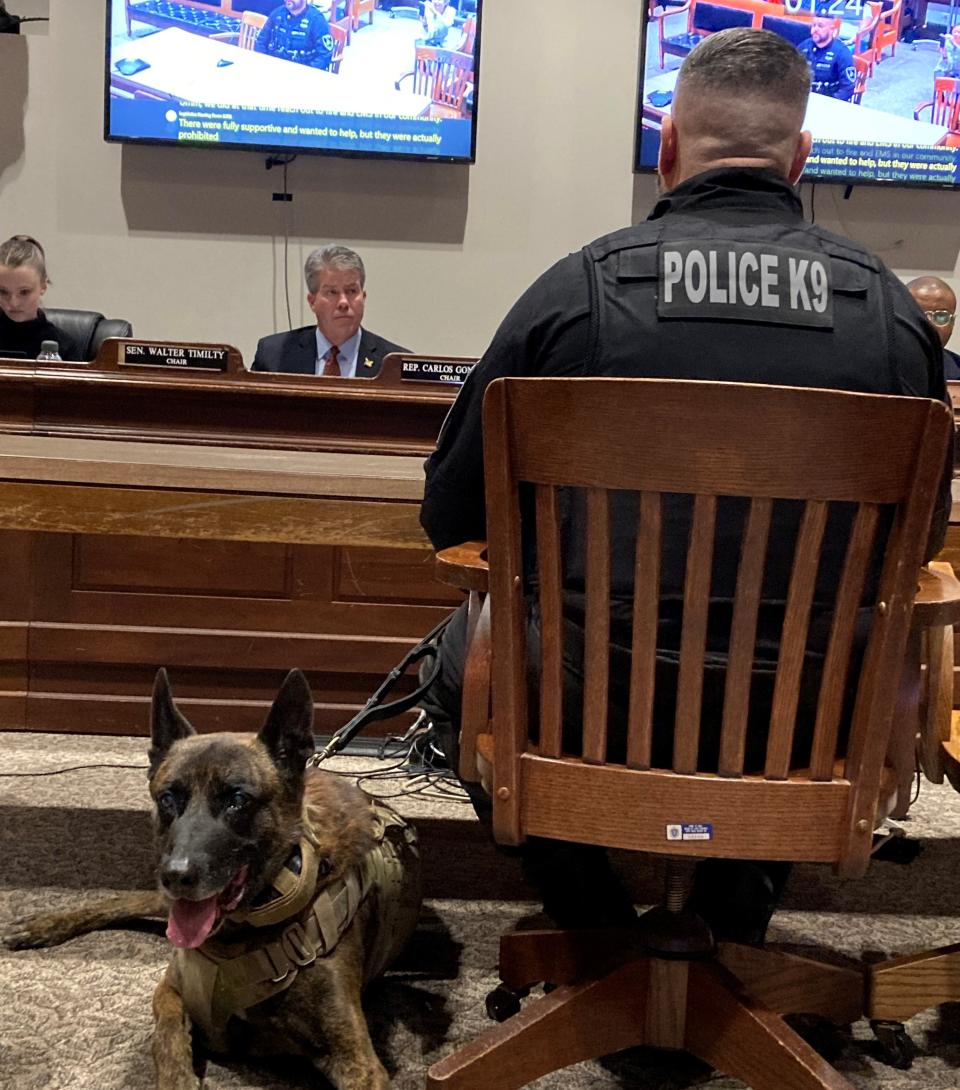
(288,731)
(167,725)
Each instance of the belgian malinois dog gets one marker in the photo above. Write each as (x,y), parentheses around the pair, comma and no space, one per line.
(286,890)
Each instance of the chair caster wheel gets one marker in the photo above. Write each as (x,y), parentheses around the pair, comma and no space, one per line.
(896,1047)
(503,1002)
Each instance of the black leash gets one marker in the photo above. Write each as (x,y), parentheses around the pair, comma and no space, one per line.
(375,709)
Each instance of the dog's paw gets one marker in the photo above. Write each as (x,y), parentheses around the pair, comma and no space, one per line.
(32,932)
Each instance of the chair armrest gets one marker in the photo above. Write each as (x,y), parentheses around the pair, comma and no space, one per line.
(938,596)
(464,566)
(919,110)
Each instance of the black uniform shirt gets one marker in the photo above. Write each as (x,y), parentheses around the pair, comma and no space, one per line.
(548,332)
(304,38)
(831,68)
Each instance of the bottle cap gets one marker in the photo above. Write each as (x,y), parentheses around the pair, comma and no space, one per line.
(48,348)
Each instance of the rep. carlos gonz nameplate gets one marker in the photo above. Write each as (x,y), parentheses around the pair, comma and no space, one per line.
(202,357)
(435,370)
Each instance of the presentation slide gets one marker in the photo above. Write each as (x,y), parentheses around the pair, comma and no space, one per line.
(353,77)
(885,105)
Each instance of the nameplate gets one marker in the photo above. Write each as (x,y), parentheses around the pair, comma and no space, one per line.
(198,357)
(421,370)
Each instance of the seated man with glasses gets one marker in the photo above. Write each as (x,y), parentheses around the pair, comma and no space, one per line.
(936,299)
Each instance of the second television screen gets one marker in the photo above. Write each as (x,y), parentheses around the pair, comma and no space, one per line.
(885,105)
(380,78)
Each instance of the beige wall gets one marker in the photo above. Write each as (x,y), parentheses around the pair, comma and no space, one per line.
(188,243)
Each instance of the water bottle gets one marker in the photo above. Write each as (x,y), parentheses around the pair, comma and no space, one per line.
(49,352)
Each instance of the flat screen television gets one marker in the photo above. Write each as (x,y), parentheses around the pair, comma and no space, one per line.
(886,102)
(372,78)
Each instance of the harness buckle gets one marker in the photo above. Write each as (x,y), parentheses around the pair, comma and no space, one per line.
(297,946)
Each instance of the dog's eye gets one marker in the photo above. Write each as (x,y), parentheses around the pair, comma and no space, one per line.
(238,800)
(167,804)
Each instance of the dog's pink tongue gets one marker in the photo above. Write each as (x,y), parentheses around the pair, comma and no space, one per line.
(190,922)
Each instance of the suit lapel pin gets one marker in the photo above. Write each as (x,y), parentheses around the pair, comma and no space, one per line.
(367,362)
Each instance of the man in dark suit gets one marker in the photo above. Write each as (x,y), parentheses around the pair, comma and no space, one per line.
(336,346)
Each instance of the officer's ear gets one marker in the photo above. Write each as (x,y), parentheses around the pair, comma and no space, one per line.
(667,158)
(804,144)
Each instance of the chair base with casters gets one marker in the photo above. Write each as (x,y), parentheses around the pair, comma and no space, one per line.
(662,984)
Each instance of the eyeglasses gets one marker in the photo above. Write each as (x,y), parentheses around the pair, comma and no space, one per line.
(940,317)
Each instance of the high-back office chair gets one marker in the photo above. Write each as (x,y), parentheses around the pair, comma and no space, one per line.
(632,442)
(251,23)
(88,328)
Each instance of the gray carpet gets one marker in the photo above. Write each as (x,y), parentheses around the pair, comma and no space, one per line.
(78,1017)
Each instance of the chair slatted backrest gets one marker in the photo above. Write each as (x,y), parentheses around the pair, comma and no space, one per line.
(251,23)
(340,33)
(879,458)
(946,102)
(442,74)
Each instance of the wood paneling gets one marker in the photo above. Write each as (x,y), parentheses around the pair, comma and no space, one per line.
(86,617)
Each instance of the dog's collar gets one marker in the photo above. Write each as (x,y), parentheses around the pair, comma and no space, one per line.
(291,889)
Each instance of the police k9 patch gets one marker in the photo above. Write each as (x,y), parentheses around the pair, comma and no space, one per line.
(744,282)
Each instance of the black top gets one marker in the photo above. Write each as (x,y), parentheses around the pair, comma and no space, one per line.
(880,341)
(27,337)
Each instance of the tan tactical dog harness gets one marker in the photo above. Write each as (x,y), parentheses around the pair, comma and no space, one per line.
(222,979)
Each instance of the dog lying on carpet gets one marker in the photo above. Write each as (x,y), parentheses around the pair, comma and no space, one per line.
(286,890)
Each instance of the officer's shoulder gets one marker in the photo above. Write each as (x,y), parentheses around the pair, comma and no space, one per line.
(639,234)
(847,249)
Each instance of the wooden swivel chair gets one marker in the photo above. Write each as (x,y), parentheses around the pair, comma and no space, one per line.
(888,30)
(616,441)
(446,76)
(944,107)
(251,23)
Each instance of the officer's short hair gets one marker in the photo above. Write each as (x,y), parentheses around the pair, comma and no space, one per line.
(332,257)
(744,61)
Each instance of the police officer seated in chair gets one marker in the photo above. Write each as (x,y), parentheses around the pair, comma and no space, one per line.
(297,31)
(831,62)
(726,281)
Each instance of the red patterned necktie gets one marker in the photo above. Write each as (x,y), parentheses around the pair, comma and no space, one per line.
(331,365)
